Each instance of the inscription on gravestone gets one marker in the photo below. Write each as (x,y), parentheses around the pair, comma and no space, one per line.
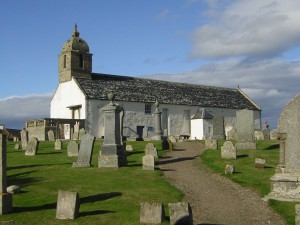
(148,162)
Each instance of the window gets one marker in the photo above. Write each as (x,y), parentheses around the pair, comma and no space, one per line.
(148,109)
(65,61)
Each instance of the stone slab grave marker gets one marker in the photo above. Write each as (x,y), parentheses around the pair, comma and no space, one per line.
(72,148)
(32,147)
(81,133)
(50,134)
(245,129)
(67,205)
(152,213)
(6,199)
(151,150)
(24,138)
(85,152)
(218,131)
(129,148)
(259,135)
(273,134)
(57,144)
(180,213)
(148,162)
(211,144)
(113,152)
(76,132)
(266,133)
(286,181)
(17,146)
(260,163)
(231,135)
(228,151)
(229,169)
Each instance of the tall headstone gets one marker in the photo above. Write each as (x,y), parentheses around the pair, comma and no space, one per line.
(180,213)
(72,148)
(152,213)
(266,133)
(228,151)
(245,129)
(32,147)
(76,132)
(148,162)
(24,138)
(57,144)
(50,134)
(113,153)
(6,199)
(218,128)
(67,205)
(151,150)
(85,152)
(157,123)
(286,181)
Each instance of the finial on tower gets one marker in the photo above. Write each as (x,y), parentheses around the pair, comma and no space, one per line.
(75,33)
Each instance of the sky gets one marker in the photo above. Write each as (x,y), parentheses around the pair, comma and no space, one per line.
(251,44)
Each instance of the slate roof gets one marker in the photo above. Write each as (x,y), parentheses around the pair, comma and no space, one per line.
(135,89)
(202,113)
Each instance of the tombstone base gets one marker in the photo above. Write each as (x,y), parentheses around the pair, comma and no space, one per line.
(81,164)
(112,161)
(6,203)
(285,187)
(245,146)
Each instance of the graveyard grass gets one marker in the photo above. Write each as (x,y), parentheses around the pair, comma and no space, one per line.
(107,196)
(248,176)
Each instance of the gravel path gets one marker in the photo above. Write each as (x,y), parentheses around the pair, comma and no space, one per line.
(213,198)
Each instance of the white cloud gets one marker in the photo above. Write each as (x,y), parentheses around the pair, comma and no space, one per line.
(249,28)
(15,110)
(163,14)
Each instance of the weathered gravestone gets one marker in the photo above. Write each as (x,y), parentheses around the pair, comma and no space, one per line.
(245,129)
(76,132)
(228,151)
(17,146)
(152,213)
(32,147)
(172,139)
(113,152)
(231,135)
(72,148)
(6,199)
(180,213)
(229,169)
(129,148)
(85,152)
(286,181)
(260,163)
(67,205)
(259,135)
(297,214)
(151,150)
(148,162)
(157,135)
(211,144)
(57,144)
(266,133)
(273,134)
(50,134)
(81,133)
(218,131)
(13,189)
(24,138)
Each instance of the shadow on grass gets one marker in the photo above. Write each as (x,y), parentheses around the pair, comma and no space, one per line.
(22,181)
(99,197)
(242,156)
(175,160)
(165,170)
(95,212)
(135,152)
(31,166)
(134,165)
(49,153)
(275,146)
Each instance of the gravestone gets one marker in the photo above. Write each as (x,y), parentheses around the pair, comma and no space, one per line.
(32,147)
(113,152)
(17,146)
(13,189)
(129,148)
(286,181)
(67,205)
(152,213)
(85,152)
(51,135)
(245,129)
(172,139)
(229,169)
(259,135)
(24,138)
(273,134)
(76,132)
(228,151)
(6,199)
(57,144)
(151,150)
(81,133)
(157,135)
(180,213)
(72,148)
(228,127)
(218,131)
(260,163)
(266,133)
(148,162)
(211,144)
(231,135)
(297,214)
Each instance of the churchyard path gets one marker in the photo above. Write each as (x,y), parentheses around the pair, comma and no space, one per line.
(214,199)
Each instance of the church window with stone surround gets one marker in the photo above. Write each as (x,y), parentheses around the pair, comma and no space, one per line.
(65,61)
(80,61)
(147,109)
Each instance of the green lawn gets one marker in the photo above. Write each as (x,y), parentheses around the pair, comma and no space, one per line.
(247,175)
(107,196)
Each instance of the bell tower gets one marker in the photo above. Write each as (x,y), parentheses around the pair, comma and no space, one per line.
(74,59)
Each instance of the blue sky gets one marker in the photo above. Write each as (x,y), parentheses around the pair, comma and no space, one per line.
(254,44)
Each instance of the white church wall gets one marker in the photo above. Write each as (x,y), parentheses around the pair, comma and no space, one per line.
(67,94)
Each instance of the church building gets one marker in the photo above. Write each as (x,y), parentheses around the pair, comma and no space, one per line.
(82,93)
